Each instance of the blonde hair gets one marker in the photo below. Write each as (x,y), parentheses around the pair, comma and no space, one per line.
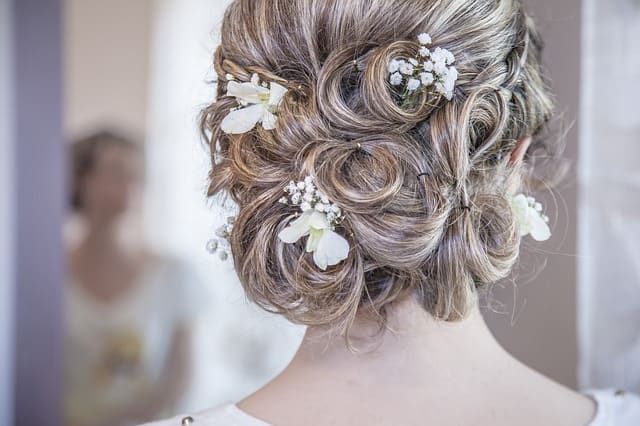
(425,190)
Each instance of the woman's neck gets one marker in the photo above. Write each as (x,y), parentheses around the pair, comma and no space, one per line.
(414,339)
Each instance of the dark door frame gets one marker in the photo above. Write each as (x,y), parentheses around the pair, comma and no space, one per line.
(38,151)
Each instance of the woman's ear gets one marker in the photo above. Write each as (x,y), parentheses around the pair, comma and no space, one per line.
(521,148)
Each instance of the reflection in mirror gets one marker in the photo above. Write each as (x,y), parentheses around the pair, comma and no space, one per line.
(155,325)
(128,310)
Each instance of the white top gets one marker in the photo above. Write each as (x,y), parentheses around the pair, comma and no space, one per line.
(614,409)
(116,351)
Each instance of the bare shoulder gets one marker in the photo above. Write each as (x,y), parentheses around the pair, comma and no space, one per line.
(528,398)
(560,402)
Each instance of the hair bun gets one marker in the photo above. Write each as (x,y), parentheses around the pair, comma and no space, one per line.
(423,185)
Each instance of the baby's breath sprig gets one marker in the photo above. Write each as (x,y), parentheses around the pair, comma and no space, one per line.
(221,244)
(430,69)
(306,196)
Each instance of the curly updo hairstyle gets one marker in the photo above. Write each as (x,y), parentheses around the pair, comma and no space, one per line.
(425,189)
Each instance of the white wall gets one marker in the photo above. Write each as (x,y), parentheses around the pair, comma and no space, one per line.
(609,290)
(106,51)
(6,218)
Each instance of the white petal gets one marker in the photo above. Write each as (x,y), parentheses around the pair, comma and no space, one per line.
(245,91)
(318,220)
(440,68)
(296,230)
(276,94)
(450,79)
(406,68)
(242,120)
(255,80)
(426,78)
(520,209)
(332,249)
(448,56)
(393,66)
(519,202)
(539,229)
(413,84)
(396,78)
(268,119)
(314,238)
(424,38)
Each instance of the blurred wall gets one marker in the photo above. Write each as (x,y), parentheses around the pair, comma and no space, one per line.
(609,273)
(106,64)
(539,321)
(6,217)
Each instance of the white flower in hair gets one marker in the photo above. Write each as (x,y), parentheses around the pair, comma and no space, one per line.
(394,65)
(440,68)
(446,84)
(318,221)
(258,103)
(413,84)
(396,79)
(406,68)
(424,38)
(440,55)
(426,78)
(220,244)
(529,217)
(429,69)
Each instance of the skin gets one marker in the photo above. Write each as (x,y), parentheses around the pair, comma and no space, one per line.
(424,372)
(108,269)
(520,150)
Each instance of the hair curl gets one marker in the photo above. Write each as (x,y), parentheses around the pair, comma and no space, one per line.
(425,189)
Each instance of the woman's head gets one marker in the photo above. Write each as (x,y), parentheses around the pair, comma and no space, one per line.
(106,171)
(425,189)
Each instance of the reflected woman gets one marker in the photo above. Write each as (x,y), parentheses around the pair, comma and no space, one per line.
(127,309)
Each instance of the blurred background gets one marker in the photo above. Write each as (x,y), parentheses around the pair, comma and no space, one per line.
(112,311)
